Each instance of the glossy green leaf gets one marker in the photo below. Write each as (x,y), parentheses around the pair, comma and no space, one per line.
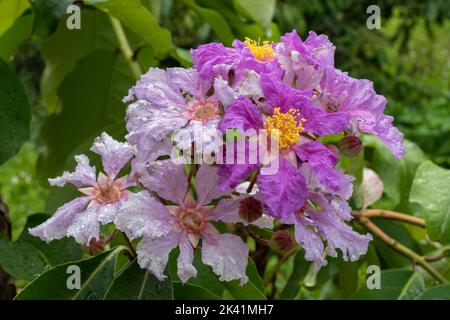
(192,292)
(65,48)
(440,292)
(48,13)
(301,267)
(55,252)
(12,38)
(135,283)
(15,113)
(348,278)
(431,189)
(10,10)
(396,284)
(21,260)
(92,102)
(215,20)
(252,290)
(97,274)
(137,18)
(260,11)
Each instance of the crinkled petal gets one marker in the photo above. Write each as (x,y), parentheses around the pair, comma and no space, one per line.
(321,160)
(167,179)
(84,174)
(143,216)
(115,155)
(227,254)
(207,184)
(310,241)
(107,212)
(85,227)
(223,92)
(187,80)
(147,124)
(283,192)
(339,235)
(243,115)
(56,226)
(185,268)
(153,253)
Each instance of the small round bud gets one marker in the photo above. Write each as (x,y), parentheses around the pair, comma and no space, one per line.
(250,209)
(282,241)
(350,145)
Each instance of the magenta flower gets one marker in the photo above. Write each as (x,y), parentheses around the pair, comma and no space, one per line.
(164,226)
(103,195)
(291,113)
(323,218)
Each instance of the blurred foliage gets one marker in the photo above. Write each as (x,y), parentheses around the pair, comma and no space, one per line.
(75,80)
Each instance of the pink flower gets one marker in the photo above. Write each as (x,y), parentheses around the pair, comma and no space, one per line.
(164,226)
(103,195)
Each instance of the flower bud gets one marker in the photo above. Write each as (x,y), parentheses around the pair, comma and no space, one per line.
(96,246)
(350,145)
(250,209)
(282,241)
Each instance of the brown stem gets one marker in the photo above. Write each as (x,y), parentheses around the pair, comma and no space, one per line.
(252,182)
(257,238)
(130,246)
(381,213)
(402,249)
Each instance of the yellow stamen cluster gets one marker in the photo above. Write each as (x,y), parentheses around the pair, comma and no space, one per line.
(289,126)
(262,52)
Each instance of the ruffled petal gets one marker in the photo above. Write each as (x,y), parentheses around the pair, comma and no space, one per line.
(107,212)
(321,160)
(84,174)
(223,92)
(167,179)
(56,227)
(115,155)
(85,227)
(143,216)
(243,115)
(185,268)
(153,253)
(283,192)
(227,254)
(207,184)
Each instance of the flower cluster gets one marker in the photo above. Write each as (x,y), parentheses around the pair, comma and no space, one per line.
(290,91)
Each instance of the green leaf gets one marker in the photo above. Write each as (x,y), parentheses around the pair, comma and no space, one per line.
(92,102)
(97,274)
(15,113)
(252,290)
(10,10)
(215,20)
(301,267)
(135,283)
(397,175)
(21,260)
(396,284)
(260,11)
(431,189)
(441,292)
(348,278)
(48,13)
(137,18)
(55,252)
(62,50)
(15,36)
(192,292)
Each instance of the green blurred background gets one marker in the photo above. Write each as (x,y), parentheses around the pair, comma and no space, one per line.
(408,59)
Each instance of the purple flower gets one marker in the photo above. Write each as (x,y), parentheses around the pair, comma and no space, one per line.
(181,224)
(323,218)
(103,195)
(176,101)
(292,115)
(339,92)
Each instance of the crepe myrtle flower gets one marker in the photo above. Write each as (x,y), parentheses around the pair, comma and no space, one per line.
(102,194)
(293,120)
(169,217)
(323,219)
(175,101)
(357,97)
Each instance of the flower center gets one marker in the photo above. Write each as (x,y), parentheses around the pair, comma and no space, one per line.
(205,112)
(191,220)
(107,192)
(286,127)
(262,52)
